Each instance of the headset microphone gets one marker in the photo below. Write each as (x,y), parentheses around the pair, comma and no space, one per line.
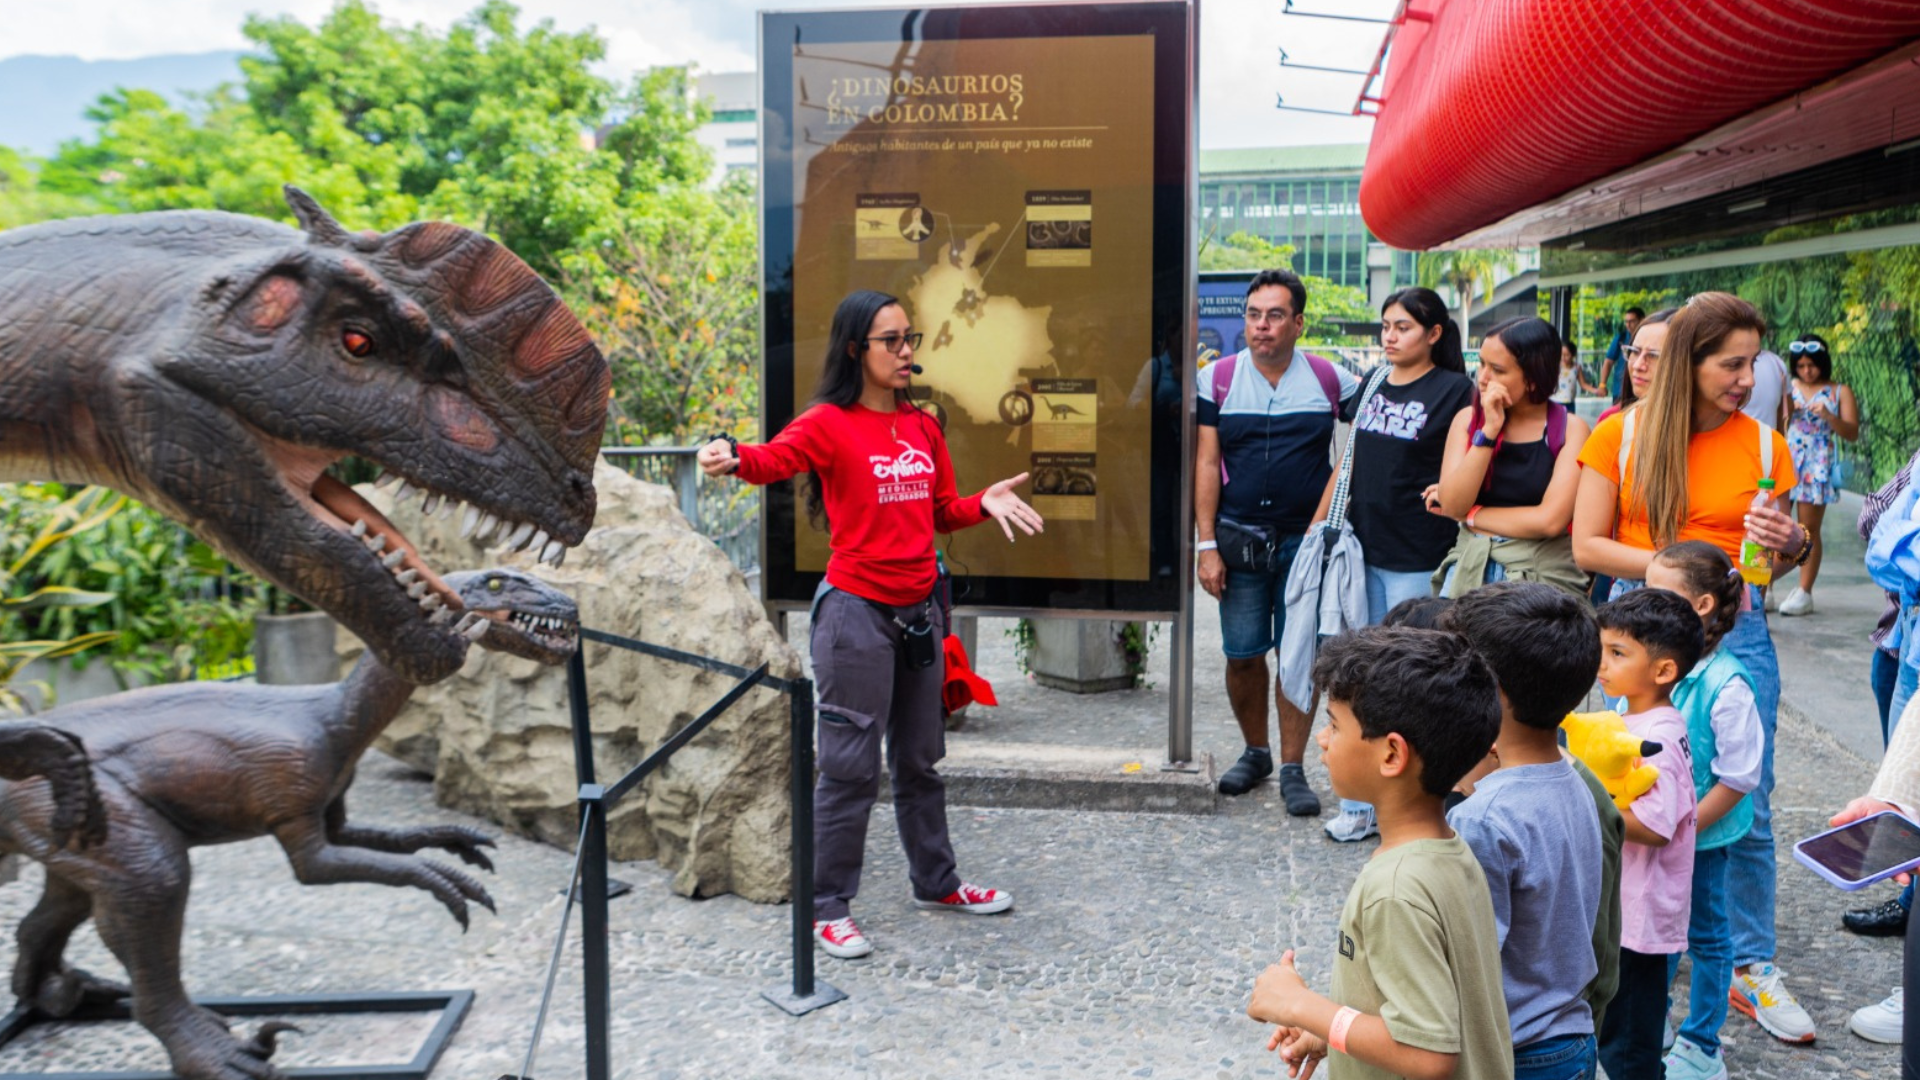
(916,369)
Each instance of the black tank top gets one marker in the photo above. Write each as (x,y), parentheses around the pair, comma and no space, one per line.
(1519,475)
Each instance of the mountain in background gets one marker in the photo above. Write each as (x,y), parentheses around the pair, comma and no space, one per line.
(43,99)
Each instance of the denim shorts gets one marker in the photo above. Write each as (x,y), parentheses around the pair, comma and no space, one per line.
(1253,613)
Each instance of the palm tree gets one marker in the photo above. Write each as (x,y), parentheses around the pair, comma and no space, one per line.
(1466,271)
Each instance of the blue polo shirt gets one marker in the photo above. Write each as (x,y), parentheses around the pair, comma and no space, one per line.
(1274,440)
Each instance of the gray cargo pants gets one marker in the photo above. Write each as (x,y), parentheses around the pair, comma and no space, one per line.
(865,691)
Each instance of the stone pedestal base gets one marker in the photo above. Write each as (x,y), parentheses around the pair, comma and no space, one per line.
(1081,656)
(294,650)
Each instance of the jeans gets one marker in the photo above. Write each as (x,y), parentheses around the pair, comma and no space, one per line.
(1903,690)
(1495,572)
(1710,943)
(1253,610)
(1884,674)
(1751,869)
(1561,1057)
(1630,1035)
(1385,588)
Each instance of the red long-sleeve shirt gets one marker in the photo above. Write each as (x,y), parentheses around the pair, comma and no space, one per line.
(888,485)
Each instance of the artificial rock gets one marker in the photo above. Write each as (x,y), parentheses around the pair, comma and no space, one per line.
(496,737)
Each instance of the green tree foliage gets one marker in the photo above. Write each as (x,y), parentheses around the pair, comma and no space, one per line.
(1331,308)
(1467,271)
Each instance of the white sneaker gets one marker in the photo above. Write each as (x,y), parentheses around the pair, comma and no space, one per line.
(1773,599)
(1761,994)
(1667,1035)
(1881,1021)
(1351,826)
(1798,602)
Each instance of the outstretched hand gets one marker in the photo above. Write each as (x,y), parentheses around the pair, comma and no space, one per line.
(1002,505)
(716,458)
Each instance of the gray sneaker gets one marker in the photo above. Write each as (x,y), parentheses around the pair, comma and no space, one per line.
(1352,826)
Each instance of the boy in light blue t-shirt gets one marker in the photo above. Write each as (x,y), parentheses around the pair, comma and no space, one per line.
(1532,823)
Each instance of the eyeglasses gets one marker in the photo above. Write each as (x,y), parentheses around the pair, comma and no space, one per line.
(1799,347)
(1277,315)
(1636,352)
(893,342)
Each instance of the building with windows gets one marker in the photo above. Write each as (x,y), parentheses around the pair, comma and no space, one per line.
(733,132)
(1306,196)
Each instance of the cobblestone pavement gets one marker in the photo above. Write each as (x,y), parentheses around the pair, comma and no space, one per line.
(1130,953)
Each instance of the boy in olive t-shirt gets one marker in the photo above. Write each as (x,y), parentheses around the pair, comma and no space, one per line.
(1416,965)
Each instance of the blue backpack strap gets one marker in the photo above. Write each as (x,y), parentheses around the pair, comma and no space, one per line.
(1329,381)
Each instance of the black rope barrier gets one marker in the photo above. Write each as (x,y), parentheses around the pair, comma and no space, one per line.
(591,858)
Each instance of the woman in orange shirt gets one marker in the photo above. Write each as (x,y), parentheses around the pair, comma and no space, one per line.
(1684,465)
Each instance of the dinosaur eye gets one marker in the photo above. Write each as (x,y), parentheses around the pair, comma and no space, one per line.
(357,343)
(495,584)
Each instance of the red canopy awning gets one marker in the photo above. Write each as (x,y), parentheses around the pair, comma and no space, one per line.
(1497,106)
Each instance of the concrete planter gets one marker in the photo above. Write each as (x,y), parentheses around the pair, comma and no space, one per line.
(292,650)
(1081,656)
(95,678)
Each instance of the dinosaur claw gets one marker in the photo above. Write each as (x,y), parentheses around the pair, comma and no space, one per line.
(266,1040)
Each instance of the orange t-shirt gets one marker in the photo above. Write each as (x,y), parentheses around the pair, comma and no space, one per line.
(1723,467)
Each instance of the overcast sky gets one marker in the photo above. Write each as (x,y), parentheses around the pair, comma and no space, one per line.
(1240,42)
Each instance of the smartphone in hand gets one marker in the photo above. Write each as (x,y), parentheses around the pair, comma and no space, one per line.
(1860,853)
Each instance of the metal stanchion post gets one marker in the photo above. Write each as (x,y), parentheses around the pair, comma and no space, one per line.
(593,936)
(806,994)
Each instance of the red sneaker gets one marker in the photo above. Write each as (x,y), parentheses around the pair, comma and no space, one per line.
(971,899)
(839,937)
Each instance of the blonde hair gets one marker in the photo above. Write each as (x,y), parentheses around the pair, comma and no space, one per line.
(1665,423)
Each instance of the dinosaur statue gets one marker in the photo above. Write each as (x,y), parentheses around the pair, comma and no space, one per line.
(213,366)
(28,750)
(186,765)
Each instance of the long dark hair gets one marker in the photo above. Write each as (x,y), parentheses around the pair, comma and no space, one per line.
(1427,309)
(842,374)
(1535,346)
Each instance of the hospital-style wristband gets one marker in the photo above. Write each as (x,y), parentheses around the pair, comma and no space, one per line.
(1207,545)
(1342,1020)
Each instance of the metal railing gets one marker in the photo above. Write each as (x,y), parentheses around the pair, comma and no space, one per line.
(724,511)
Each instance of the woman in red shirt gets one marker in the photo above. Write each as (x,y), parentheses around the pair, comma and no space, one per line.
(883,481)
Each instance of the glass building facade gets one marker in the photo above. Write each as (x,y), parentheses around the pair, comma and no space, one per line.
(1307,196)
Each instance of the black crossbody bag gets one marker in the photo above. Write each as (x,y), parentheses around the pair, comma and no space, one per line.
(1247,548)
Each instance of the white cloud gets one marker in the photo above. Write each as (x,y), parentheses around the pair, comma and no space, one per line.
(1239,41)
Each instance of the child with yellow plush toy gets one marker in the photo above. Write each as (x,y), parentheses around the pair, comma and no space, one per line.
(1724,733)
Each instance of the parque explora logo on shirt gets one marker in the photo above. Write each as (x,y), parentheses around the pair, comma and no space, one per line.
(910,464)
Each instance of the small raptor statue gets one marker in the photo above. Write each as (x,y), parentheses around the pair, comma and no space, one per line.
(192,764)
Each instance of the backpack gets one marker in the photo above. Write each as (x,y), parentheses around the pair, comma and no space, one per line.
(1323,371)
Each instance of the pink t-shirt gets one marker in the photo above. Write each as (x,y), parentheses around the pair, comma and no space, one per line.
(1656,884)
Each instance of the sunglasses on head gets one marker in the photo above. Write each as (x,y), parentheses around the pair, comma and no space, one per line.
(1799,347)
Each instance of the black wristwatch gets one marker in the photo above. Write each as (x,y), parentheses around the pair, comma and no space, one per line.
(733,446)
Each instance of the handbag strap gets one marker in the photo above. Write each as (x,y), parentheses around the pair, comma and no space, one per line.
(1337,512)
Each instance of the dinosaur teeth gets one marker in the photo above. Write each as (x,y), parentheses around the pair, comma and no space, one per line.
(539,541)
(468,520)
(407,577)
(519,536)
(384,480)
(400,493)
(375,542)
(441,617)
(488,523)
(393,558)
(417,590)
(431,603)
(558,558)
(452,504)
(552,552)
(359,529)
(429,504)
(477,631)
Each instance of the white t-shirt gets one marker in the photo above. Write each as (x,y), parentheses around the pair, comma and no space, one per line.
(1769,383)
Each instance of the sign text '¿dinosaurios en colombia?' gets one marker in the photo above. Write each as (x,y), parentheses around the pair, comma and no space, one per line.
(957,99)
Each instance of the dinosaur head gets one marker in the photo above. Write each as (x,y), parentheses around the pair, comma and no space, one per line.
(431,352)
(520,614)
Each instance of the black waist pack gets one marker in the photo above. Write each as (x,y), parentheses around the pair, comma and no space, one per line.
(919,647)
(1247,548)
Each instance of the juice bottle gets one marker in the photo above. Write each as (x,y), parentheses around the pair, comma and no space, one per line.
(1756,562)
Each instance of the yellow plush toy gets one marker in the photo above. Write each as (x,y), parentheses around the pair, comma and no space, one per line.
(1602,741)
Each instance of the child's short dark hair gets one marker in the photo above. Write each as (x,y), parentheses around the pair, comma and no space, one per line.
(1419,612)
(1662,622)
(1542,644)
(1430,686)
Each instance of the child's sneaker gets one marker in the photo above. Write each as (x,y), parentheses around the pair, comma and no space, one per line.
(839,937)
(1881,1021)
(1760,994)
(971,899)
(1352,826)
(1689,1062)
